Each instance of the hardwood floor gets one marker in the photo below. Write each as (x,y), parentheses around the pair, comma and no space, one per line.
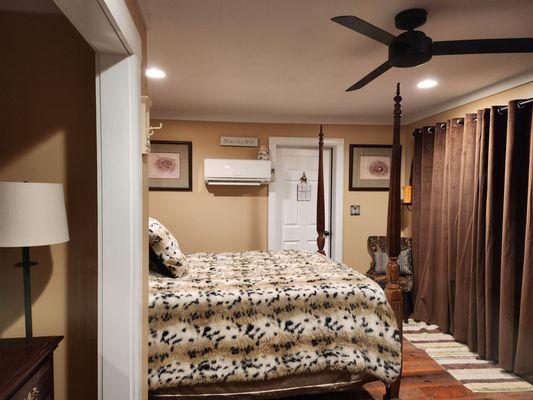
(422,379)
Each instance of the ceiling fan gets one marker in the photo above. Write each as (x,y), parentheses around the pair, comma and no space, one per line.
(413,47)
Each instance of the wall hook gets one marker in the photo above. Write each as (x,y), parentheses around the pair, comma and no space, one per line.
(151,129)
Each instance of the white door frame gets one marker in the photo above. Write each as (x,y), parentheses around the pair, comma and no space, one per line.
(337,193)
(108,27)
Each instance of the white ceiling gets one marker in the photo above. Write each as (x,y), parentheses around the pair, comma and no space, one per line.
(285,61)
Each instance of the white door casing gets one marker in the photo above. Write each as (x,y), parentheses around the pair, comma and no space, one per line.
(110,30)
(337,186)
(120,222)
(298,218)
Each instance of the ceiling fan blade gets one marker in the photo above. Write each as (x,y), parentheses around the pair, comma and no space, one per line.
(371,76)
(364,28)
(482,46)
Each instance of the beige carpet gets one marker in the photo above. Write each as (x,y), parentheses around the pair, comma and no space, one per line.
(475,374)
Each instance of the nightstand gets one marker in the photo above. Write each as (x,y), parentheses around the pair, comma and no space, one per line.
(26,368)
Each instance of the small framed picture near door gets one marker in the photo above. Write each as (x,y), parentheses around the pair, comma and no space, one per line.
(170,165)
(370,166)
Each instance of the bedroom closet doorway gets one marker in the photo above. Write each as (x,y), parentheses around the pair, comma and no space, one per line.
(292,209)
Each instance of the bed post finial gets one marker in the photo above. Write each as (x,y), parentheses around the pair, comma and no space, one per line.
(320,209)
(393,290)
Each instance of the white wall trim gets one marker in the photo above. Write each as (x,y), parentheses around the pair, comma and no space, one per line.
(260,119)
(407,118)
(100,223)
(107,25)
(337,198)
(119,16)
(120,227)
(94,25)
(487,91)
(110,30)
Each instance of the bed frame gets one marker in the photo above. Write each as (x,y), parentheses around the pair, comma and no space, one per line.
(286,386)
(392,290)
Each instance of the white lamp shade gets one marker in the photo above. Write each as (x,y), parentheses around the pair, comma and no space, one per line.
(32,214)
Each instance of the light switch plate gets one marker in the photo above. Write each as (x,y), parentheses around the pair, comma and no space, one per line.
(355,209)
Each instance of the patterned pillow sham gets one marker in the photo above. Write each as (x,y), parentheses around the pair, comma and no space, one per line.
(377,248)
(381,259)
(165,247)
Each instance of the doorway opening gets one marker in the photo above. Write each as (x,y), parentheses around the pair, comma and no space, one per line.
(292,219)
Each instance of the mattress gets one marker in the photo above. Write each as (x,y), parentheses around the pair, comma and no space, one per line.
(259,316)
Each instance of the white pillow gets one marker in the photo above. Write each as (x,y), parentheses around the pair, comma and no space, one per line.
(166,248)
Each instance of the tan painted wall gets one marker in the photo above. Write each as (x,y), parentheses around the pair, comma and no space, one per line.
(502,98)
(225,219)
(235,218)
(48,135)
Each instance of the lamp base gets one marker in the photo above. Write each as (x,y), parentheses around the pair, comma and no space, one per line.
(26,264)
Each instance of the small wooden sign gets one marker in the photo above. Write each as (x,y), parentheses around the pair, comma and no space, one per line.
(239,141)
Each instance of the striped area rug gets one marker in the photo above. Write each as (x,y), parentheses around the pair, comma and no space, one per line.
(475,374)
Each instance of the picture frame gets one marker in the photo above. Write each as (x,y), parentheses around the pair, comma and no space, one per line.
(370,167)
(170,166)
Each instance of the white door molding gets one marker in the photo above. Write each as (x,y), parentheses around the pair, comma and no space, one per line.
(337,195)
(120,229)
(110,30)
(105,24)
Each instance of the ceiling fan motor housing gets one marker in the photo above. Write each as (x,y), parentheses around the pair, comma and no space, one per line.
(409,49)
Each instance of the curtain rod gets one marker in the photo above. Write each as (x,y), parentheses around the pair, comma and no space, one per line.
(461,121)
(520,104)
(501,110)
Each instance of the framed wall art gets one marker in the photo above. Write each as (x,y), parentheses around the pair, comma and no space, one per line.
(170,165)
(370,166)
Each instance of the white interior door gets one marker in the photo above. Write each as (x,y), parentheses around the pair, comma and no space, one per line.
(298,218)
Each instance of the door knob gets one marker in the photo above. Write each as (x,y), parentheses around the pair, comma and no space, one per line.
(326,233)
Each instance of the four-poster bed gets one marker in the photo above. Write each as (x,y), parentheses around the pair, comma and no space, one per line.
(278,323)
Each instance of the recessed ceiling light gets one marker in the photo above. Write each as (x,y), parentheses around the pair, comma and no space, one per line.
(426,84)
(155,73)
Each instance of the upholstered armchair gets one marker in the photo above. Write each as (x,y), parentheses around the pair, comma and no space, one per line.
(377,248)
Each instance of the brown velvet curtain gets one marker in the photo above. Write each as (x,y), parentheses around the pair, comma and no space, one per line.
(416,177)
(493,226)
(477,310)
(473,232)
(422,171)
(465,221)
(524,343)
(432,285)
(515,230)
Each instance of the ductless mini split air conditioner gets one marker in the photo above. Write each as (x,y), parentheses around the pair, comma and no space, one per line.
(236,172)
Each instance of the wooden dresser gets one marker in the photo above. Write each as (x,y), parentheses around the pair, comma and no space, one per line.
(26,368)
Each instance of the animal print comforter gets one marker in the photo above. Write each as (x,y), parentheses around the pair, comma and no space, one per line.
(259,315)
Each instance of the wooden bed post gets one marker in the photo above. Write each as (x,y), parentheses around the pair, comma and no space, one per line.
(393,290)
(320,208)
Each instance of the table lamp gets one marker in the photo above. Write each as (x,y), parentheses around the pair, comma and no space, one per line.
(31,214)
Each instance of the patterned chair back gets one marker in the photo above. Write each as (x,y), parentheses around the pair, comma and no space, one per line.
(377,248)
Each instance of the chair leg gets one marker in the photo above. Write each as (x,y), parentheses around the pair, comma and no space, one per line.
(392,390)
(395,389)
(407,300)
